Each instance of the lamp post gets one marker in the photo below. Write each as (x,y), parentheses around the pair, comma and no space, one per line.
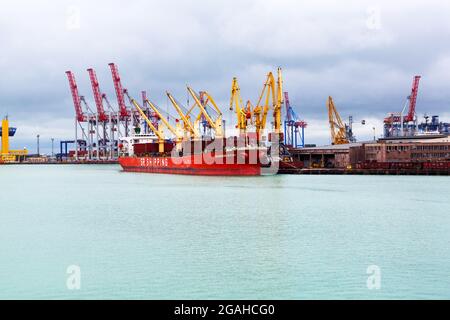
(53,153)
(38,144)
(374,134)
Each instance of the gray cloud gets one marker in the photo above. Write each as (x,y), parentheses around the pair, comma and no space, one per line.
(363,53)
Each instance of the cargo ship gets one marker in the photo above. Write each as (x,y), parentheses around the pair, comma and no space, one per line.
(142,153)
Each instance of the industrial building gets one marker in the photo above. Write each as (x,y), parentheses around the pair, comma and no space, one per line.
(409,149)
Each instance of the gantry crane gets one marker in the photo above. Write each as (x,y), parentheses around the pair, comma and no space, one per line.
(337,126)
(217,123)
(294,127)
(125,114)
(106,120)
(82,117)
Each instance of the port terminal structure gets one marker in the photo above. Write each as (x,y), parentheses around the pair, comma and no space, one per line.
(406,124)
(294,127)
(101,131)
(7,155)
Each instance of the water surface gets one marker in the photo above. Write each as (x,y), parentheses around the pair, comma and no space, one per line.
(149,236)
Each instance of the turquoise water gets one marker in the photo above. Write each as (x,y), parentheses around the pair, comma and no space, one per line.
(138,236)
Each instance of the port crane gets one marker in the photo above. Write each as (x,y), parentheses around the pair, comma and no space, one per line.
(272,93)
(203,102)
(243,113)
(260,111)
(107,120)
(396,123)
(294,127)
(125,114)
(339,133)
(189,128)
(177,132)
(87,138)
(157,131)
(151,115)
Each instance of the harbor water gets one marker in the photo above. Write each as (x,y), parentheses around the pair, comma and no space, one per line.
(148,236)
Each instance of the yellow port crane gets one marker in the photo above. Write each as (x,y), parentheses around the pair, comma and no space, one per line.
(272,93)
(337,126)
(188,126)
(158,132)
(177,132)
(215,124)
(242,113)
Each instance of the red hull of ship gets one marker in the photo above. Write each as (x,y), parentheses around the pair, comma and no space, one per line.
(188,165)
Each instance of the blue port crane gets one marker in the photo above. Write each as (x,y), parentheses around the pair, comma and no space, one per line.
(294,127)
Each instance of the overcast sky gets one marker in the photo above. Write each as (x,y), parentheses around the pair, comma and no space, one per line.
(363,53)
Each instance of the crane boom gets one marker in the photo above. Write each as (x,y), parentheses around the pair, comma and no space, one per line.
(185,118)
(289,116)
(102,117)
(158,133)
(217,124)
(260,112)
(337,126)
(76,97)
(279,103)
(236,103)
(119,91)
(164,120)
(413,99)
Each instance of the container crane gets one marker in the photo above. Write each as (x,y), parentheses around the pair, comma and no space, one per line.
(102,117)
(124,113)
(337,126)
(294,128)
(216,124)
(82,117)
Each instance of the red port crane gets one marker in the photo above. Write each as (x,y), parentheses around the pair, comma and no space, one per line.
(395,117)
(81,116)
(413,99)
(123,112)
(102,116)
